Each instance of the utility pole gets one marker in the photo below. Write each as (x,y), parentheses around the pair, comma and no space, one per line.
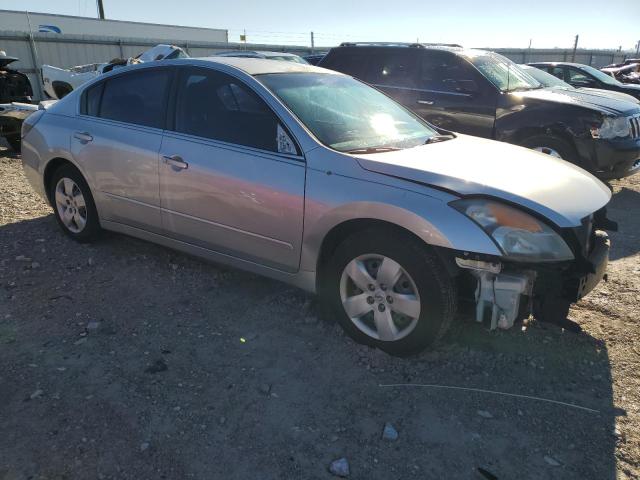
(313,44)
(638,48)
(100,10)
(575,47)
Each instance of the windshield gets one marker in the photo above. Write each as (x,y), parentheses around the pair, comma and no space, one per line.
(545,78)
(346,114)
(603,77)
(506,75)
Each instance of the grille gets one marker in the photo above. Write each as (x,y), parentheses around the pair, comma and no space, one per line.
(635,126)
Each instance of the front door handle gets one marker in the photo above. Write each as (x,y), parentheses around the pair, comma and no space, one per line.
(425,102)
(83,136)
(175,161)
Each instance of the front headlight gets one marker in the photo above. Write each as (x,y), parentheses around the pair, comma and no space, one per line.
(519,235)
(612,127)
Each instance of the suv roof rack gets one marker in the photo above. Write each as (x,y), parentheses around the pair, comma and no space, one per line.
(399,44)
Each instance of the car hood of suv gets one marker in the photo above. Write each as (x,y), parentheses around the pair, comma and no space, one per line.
(610,94)
(609,105)
(467,166)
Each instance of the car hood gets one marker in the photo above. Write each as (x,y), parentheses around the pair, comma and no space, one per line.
(609,105)
(556,189)
(611,94)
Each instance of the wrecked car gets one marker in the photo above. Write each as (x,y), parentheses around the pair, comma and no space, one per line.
(59,82)
(485,94)
(625,73)
(229,158)
(14,87)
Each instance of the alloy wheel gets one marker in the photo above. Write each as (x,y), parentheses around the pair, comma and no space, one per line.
(380,297)
(71,205)
(548,151)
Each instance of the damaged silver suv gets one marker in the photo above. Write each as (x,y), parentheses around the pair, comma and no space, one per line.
(316,179)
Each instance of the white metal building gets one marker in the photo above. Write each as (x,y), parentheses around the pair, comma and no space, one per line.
(31,22)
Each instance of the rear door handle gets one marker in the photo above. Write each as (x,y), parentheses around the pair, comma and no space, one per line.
(175,161)
(425,102)
(83,136)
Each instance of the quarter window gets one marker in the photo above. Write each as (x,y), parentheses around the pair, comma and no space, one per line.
(218,106)
(138,98)
(91,100)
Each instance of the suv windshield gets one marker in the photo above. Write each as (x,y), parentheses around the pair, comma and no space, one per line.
(346,114)
(506,75)
(603,77)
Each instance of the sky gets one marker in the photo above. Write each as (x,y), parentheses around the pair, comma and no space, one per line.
(472,23)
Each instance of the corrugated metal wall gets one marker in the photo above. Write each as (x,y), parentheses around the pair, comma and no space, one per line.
(69,50)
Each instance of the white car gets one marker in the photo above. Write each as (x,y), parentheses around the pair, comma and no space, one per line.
(59,82)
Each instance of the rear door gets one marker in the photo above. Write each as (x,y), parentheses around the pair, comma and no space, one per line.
(226,181)
(117,140)
(453,95)
(395,72)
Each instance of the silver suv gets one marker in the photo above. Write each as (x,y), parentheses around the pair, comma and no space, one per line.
(311,177)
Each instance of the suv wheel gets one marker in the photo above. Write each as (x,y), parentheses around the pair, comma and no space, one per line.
(389,291)
(551,145)
(73,204)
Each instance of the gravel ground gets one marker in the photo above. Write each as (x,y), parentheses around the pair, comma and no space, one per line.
(126,360)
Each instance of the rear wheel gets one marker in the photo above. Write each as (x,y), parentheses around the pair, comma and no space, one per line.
(390,291)
(73,204)
(551,145)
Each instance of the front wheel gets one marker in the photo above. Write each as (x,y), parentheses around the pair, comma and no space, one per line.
(551,145)
(390,291)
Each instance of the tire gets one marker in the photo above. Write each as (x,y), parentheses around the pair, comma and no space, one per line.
(81,222)
(547,143)
(422,272)
(14,142)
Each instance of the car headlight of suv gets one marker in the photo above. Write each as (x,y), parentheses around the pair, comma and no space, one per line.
(519,235)
(612,127)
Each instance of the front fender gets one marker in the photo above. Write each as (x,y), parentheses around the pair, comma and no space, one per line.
(334,199)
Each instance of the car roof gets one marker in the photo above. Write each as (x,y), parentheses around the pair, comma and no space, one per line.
(256,53)
(258,66)
(443,47)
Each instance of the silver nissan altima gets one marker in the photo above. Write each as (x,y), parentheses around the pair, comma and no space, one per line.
(314,178)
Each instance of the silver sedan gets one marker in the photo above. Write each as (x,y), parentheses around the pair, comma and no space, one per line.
(316,179)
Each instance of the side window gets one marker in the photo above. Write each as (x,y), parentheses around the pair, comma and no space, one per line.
(576,76)
(216,105)
(446,73)
(393,67)
(91,100)
(558,72)
(138,97)
(351,63)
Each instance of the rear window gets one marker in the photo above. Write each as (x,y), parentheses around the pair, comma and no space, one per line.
(139,98)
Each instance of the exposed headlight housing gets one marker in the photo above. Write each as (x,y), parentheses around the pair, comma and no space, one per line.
(612,127)
(519,235)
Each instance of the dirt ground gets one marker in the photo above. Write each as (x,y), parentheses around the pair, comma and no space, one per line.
(125,360)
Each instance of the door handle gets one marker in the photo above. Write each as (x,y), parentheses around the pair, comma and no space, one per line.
(83,136)
(175,161)
(425,102)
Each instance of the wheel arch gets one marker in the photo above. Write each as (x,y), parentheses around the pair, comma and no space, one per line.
(49,170)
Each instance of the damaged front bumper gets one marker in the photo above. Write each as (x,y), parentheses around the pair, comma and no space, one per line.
(501,287)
